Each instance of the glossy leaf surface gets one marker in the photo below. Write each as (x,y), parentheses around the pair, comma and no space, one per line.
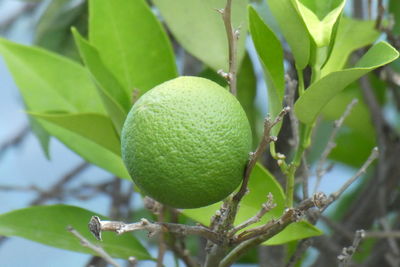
(50,82)
(352,34)
(320,18)
(270,52)
(48,225)
(95,127)
(199,28)
(116,100)
(293,29)
(246,94)
(309,105)
(120,30)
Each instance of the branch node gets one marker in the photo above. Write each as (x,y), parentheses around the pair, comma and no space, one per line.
(320,200)
(95,227)
(273,138)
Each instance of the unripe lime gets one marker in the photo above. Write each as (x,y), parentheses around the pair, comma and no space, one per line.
(186,142)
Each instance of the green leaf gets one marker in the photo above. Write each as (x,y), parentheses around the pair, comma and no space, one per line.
(51,82)
(95,127)
(350,140)
(309,105)
(351,35)
(116,100)
(358,119)
(52,30)
(260,184)
(88,149)
(48,225)
(270,52)
(199,28)
(293,29)
(41,134)
(294,231)
(320,18)
(246,93)
(132,43)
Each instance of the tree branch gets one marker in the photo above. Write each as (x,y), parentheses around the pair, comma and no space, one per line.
(265,207)
(382,234)
(258,235)
(222,222)
(57,187)
(266,139)
(96,226)
(374,155)
(233,37)
(321,170)
(15,140)
(300,250)
(348,252)
(161,240)
(100,251)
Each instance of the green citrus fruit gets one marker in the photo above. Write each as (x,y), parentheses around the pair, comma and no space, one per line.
(186,142)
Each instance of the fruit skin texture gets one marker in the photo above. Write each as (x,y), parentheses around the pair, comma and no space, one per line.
(186,142)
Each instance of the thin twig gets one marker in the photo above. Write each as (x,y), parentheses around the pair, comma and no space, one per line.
(57,187)
(233,37)
(32,188)
(265,207)
(184,255)
(321,170)
(86,243)
(15,140)
(374,155)
(7,21)
(348,252)
(316,214)
(305,176)
(291,86)
(380,13)
(96,226)
(392,242)
(222,222)
(382,234)
(161,240)
(258,235)
(266,139)
(301,248)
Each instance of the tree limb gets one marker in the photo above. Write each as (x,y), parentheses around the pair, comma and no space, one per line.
(96,226)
